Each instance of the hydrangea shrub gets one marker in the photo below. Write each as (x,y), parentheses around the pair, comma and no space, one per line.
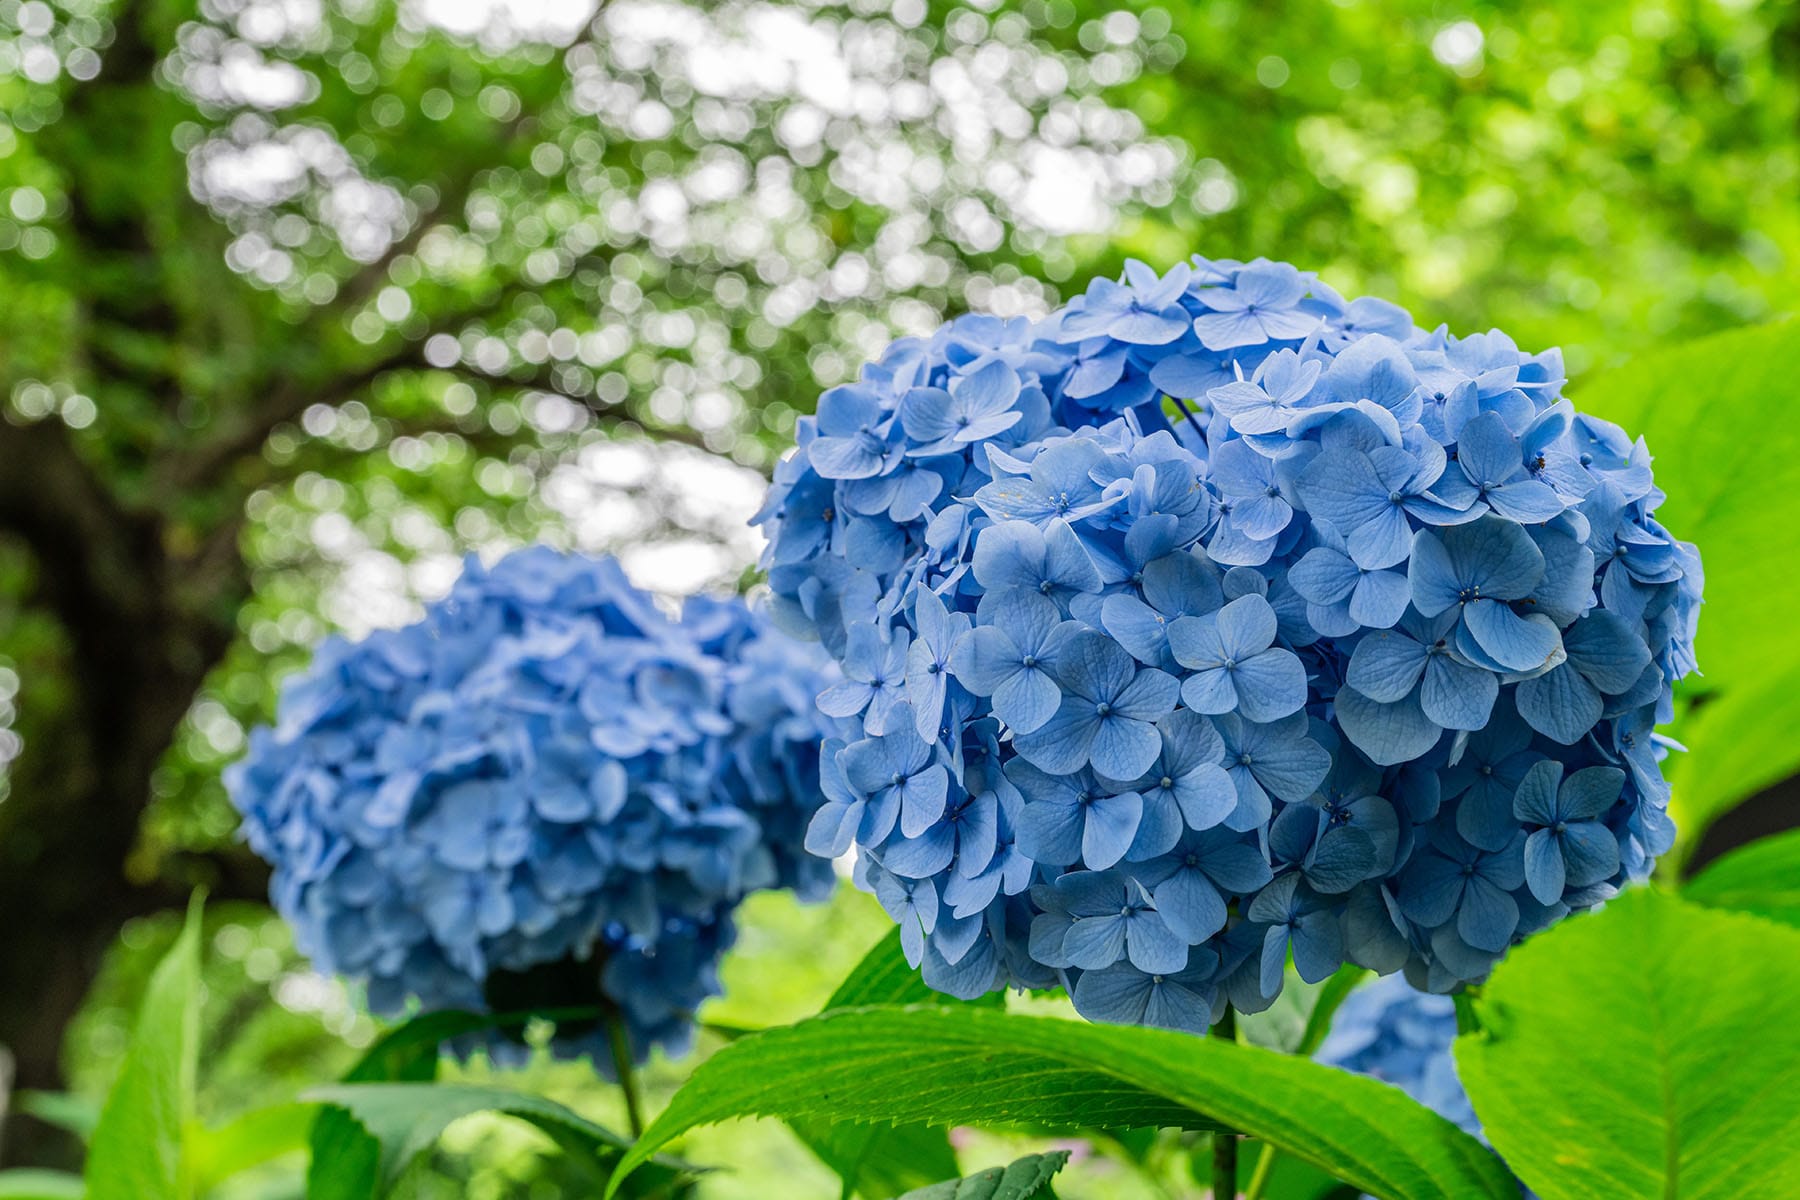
(547,793)
(1215,618)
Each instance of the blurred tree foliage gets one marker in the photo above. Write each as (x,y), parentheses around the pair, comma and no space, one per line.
(304,299)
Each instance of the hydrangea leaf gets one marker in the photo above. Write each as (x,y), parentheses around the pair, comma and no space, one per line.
(216,1153)
(1733,485)
(1762,878)
(407,1118)
(1738,744)
(345,1159)
(136,1153)
(1027,1178)
(1632,1053)
(964,1065)
(873,1159)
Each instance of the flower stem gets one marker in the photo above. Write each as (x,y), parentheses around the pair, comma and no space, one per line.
(1466,1020)
(1259,1178)
(621,1056)
(1225,1141)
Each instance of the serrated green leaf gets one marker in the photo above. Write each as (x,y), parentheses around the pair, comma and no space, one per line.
(26,1183)
(1761,878)
(1640,1051)
(136,1153)
(407,1119)
(346,1159)
(871,1159)
(970,1066)
(1026,1178)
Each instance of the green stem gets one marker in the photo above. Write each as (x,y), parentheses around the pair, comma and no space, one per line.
(1259,1178)
(1466,1020)
(1225,1141)
(621,1056)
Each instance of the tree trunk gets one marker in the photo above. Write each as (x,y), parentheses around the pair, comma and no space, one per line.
(142,630)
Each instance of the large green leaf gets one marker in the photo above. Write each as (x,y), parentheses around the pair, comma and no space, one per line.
(407,1119)
(878,1160)
(1643,1050)
(1738,744)
(346,1158)
(965,1065)
(136,1153)
(1762,878)
(1027,1178)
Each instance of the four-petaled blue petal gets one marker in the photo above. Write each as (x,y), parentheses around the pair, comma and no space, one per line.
(1236,665)
(1568,847)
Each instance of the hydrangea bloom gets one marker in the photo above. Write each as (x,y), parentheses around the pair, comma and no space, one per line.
(545,794)
(1402,1036)
(1399,1035)
(1214,612)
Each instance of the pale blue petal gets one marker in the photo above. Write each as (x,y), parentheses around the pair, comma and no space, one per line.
(1457,696)
(1519,643)
(1386,665)
(1387,733)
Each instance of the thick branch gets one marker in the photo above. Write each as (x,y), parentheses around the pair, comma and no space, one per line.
(82,538)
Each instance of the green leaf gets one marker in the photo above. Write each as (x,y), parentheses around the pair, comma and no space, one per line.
(878,1160)
(1027,1178)
(1738,744)
(346,1159)
(259,1136)
(1762,878)
(885,977)
(76,1114)
(136,1153)
(407,1119)
(1643,1051)
(966,1066)
(871,1159)
(1332,993)
(1715,413)
(27,1183)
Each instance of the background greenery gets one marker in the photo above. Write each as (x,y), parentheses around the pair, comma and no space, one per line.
(302,301)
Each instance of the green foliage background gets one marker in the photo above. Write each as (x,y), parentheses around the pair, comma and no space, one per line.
(300,306)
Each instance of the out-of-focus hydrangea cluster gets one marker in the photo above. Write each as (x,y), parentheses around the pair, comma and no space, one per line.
(1390,1031)
(545,795)
(1214,619)
(1399,1035)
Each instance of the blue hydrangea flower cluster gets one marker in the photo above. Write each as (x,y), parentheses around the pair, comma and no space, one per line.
(1390,1031)
(1400,1035)
(546,794)
(1215,619)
